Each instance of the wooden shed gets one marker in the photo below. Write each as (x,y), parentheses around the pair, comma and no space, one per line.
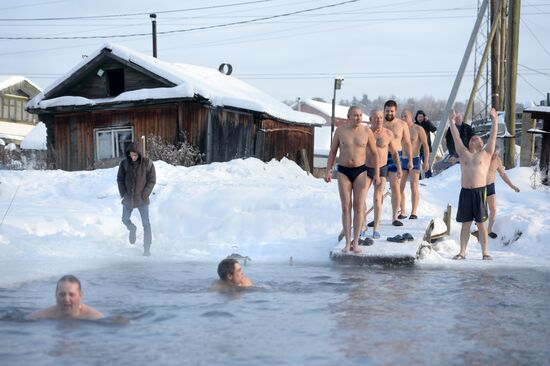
(117,95)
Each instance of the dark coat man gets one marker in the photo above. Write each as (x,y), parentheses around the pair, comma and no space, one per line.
(136,179)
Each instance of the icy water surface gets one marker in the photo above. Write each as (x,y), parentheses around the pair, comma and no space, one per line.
(299,315)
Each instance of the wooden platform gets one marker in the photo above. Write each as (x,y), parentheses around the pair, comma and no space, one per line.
(387,253)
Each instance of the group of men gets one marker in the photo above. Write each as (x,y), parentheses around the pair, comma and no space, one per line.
(388,150)
(396,149)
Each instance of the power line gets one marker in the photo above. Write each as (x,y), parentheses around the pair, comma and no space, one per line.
(535,36)
(531,85)
(135,14)
(189,29)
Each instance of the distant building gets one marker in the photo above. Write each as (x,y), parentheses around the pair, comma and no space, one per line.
(15,122)
(325,110)
(117,95)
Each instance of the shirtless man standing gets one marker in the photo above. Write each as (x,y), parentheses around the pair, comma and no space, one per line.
(418,140)
(401,138)
(384,143)
(474,167)
(68,294)
(354,140)
(496,166)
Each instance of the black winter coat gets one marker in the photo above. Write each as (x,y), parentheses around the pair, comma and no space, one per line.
(136,179)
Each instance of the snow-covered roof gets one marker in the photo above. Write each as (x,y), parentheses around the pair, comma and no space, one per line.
(340,111)
(538,108)
(14,131)
(190,80)
(36,138)
(8,80)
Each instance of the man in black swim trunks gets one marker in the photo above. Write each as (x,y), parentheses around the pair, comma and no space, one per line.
(474,167)
(354,140)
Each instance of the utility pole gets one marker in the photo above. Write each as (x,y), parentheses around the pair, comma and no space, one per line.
(502,60)
(153,17)
(495,18)
(511,82)
(442,128)
(337,86)
(481,67)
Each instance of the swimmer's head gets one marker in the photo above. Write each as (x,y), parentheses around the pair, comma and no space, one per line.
(390,108)
(355,114)
(376,118)
(475,144)
(68,295)
(229,270)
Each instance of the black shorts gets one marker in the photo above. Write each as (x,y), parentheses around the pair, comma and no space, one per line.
(383,172)
(351,173)
(472,205)
(491,189)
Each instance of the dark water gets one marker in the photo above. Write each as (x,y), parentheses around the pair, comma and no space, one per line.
(299,315)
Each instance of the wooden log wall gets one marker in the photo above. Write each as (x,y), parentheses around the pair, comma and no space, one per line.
(277,140)
(73,140)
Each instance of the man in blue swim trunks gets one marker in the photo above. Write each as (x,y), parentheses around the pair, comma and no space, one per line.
(401,139)
(474,167)
(496,166)
(354,140)
(418,140)
(384,144)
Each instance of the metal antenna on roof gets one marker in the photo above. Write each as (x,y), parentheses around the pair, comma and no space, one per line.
(153,17)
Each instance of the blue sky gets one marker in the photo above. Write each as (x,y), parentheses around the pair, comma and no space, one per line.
(380,47)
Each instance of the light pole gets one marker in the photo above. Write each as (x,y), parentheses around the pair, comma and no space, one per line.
(337,86)
(153,17)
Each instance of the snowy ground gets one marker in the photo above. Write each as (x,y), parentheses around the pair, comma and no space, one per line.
(64,221)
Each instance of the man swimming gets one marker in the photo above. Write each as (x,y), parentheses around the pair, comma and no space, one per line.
(384,143)
(418,140)
(231,276)
(68,296)
(354,140)
(401,139)
(474,167)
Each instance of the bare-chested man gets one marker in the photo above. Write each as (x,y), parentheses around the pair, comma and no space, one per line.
(355,141)
(68,297)
(418,140)
(474,168)
(401,139)
(384,143)
(494,167)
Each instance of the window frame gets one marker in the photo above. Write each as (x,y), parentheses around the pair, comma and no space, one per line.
(114,140)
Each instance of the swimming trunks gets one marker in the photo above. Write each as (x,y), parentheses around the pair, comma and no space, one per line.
(392,168)
(491,189)
(352,173)
(383,172)
(405,163)
(472,205)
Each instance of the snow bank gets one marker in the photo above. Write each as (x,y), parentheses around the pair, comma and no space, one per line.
(61,221)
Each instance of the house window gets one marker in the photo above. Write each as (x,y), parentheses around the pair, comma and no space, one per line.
(112,143)
(115,82)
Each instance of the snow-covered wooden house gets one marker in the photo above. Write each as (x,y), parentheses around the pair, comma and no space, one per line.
(117,95)
(15,122)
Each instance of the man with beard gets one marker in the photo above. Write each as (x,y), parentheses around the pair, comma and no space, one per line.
(418,140)
(384,143)
(354,140)
(474,167)
(401,139)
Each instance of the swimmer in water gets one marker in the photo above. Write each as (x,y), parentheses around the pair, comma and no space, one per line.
(68,297)
(231,276)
